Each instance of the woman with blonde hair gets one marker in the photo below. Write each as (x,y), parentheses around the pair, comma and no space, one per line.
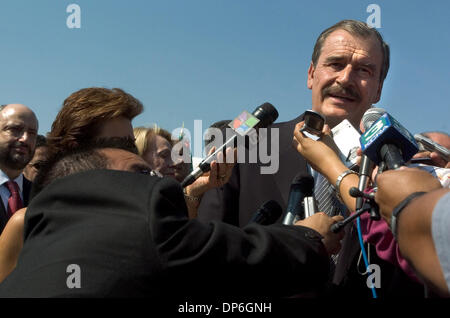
(155,147)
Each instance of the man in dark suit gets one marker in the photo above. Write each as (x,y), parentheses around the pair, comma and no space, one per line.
(18,131)
(94,231)
(349,63)
(248,188)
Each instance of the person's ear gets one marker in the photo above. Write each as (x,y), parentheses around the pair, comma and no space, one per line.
(311,70)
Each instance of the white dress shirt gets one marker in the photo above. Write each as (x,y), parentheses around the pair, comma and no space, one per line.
(4,192)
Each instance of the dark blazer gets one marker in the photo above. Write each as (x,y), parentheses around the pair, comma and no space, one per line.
(238,200)
(130,236)
(26,197)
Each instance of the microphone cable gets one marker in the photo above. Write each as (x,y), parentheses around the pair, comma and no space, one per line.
(363,251)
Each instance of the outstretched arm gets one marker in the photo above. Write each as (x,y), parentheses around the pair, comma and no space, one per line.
(322,156)
(414,222)
(219,175)
(11,242)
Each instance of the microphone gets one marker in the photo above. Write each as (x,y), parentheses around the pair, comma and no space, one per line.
(267,214)
(367,165)
(302,186)
(389,142)
(365,170)
(372,115)
(261,117)
(309,208)
(356,193)
(432,146)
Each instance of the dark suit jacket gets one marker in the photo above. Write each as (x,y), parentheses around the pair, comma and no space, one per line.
(238,200)
(26,196)
(130,236)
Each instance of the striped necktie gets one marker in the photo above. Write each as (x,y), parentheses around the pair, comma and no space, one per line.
(325,197)
(328,202)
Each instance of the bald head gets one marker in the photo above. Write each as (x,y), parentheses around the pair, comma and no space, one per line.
(19,110)
(18,131)
(440,137)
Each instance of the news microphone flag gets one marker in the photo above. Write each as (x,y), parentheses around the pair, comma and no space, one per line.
(387,130)
(262,116)
(243,123)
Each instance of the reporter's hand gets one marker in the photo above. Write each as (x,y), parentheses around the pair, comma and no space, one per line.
(318,153)
(321,223)
(395,185)
(219,174)
(435,159)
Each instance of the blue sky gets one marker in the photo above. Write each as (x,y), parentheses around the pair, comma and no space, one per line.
(211,59)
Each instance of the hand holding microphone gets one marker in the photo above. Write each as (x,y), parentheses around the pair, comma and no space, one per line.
(321,223)
(261,117)
(322,156)
(318,153)
(394,186)
(431,152)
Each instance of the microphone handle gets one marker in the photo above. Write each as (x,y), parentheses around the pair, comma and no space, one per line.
(336,227)
(391,155)
(205,165)
(309,207)
(366,168)
(207,161)
(289,218)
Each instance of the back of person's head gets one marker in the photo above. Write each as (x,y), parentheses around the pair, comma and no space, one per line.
(41,141)
(78,122)
(440,137)
(83,158)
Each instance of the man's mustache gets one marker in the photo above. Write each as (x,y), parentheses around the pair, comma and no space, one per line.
(19,144)
(339,90)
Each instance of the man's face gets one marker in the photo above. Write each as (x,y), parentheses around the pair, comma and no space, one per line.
(123,160)
(18,131)
(346,80)
(181,168)
(158,155)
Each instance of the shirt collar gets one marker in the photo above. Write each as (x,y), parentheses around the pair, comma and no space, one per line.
(19,180)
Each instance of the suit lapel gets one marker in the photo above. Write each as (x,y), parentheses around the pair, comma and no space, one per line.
(290,161)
